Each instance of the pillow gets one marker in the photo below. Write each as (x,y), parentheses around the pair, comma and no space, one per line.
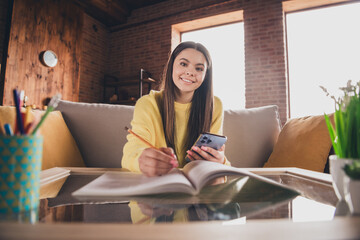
(99,130)
(303,143)
(59,147)
(252,134)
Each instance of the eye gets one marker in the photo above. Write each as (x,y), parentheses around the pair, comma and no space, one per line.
(199,69)
(184,64)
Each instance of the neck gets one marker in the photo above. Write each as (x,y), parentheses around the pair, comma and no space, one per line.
(182,97)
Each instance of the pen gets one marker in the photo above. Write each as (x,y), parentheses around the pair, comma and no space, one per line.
(21,98)
(174,163)
(19,119)
(8,129)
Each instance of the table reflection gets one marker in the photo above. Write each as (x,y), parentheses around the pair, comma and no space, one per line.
(147,213)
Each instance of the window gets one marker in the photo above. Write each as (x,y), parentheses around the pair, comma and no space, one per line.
(226,46)
(323,50)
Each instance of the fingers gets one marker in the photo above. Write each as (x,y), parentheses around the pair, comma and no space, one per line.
(207,153)
(156,162)
(170,151)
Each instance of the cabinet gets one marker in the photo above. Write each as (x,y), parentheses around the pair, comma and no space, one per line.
(115,89)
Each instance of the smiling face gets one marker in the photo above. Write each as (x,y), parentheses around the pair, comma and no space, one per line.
(189,70)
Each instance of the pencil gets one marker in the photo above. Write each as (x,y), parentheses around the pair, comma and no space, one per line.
(143,140)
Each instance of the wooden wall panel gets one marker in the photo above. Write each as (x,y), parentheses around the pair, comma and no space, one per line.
(39,25)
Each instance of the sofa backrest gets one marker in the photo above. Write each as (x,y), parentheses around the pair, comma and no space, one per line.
(99,132)
(252,134)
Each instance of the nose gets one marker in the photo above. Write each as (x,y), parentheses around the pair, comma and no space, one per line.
(189,73)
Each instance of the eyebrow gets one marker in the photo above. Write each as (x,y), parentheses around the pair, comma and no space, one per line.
(198,64)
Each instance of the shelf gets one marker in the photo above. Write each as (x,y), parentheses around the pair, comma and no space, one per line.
(117,84)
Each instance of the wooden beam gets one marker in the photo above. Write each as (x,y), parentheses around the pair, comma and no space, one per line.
(109,12)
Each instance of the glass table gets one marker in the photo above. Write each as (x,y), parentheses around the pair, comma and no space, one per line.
(248,203)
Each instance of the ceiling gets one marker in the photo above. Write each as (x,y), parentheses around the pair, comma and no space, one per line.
(113,12)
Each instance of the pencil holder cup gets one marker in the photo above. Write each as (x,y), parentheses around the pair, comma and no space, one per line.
(20,173)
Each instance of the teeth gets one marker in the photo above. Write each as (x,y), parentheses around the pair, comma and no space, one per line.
(185,80)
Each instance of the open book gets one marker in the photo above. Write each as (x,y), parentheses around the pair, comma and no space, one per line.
(190,180)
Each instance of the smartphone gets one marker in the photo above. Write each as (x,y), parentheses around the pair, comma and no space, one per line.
(209,140)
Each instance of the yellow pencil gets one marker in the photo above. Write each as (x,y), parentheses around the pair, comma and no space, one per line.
(143,140)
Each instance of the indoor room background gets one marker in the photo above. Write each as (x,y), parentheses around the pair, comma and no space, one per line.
(90,47)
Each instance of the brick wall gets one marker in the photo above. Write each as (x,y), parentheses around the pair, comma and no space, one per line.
(145,42)
(94,58)
(265,63)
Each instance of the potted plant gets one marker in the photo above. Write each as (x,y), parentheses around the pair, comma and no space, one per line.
(345,138)
(352,186)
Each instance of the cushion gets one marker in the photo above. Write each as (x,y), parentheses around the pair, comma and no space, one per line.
(59,147)
(99,130)
(303,143)
(252,134)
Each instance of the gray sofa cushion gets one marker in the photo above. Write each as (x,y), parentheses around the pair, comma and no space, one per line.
(98,130)
(252,134)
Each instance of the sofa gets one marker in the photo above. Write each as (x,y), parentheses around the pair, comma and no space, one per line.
(93,135)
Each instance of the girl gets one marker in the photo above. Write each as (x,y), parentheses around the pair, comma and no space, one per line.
(173,118)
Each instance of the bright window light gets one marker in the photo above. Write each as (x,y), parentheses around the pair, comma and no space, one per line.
(323,50)
(226,46)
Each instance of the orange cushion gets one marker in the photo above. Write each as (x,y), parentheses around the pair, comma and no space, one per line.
(303,143)
(59,148)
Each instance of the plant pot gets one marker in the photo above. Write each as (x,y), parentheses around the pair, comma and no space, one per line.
(352,194)
(338,174)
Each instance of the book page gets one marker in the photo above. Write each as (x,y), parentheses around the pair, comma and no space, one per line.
(200,172)
(132,184)
(53,174)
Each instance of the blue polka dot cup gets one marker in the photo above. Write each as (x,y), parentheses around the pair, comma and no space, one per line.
(20,173)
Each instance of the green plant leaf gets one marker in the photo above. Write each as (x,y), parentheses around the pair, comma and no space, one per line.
(353,170)
(331,133)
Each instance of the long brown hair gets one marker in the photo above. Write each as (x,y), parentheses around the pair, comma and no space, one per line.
(200,117)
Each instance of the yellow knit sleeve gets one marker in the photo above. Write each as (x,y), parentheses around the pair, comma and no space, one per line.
(147,123)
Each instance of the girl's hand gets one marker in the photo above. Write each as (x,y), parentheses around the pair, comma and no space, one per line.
(156,162)
(207,153)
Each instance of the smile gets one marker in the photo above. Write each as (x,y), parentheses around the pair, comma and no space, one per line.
(186,80)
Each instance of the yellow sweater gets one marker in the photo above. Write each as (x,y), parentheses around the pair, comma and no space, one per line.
(147,123)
